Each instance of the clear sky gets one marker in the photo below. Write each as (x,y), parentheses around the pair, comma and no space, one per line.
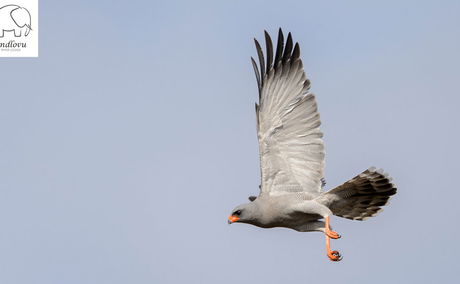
(125,145)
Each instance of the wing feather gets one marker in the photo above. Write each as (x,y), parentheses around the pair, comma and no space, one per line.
(256,71)
(269,47)
(290,140)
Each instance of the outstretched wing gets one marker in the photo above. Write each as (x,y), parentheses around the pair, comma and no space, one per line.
(290,141)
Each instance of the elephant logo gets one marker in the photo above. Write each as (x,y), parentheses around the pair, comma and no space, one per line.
(14,18)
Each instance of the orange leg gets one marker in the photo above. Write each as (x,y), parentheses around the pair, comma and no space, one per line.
(328,230)
(333,255)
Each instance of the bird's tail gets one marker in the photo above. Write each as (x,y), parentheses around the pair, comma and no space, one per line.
(361,197)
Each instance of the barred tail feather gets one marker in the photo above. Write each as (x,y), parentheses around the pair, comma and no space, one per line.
(361,197)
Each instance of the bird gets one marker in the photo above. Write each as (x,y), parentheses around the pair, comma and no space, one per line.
(291,152)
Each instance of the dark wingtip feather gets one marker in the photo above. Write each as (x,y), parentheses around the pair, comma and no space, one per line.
(279,47)
(256,71)
(269,45)
(288,48)
(261,60)
(296,52)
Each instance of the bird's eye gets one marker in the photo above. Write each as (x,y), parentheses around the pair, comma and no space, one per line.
(237,213)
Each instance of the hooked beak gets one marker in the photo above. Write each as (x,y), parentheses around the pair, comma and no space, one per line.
(233,219)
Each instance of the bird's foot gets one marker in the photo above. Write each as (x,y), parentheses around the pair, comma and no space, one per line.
(331,234)
(334,255)
(328,231)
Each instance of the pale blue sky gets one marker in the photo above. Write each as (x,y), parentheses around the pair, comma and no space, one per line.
(124,146)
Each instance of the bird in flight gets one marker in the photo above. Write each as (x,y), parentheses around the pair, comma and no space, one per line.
(292,156)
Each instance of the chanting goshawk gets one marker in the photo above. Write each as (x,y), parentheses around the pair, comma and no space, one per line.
(292,155)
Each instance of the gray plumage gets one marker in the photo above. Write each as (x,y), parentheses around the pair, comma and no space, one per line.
(361,197)
(292,153)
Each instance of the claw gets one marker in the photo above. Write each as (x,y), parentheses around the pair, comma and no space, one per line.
(329,232)
(334,255)
(332,234)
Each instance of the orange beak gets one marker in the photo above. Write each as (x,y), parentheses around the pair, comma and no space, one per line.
(232,219)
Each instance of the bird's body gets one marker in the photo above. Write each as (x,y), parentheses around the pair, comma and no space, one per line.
(274,211)
(292,156)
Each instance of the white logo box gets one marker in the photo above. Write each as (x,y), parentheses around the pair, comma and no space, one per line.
(18,28)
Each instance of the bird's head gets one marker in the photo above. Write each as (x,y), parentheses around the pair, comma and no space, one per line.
(244,213)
